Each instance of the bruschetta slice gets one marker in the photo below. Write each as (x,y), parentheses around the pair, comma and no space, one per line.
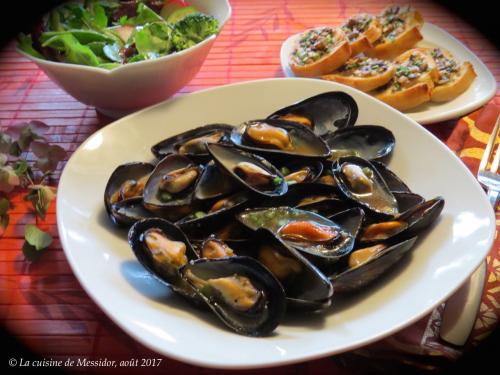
(319,51)
(363,73)
(362,30)
(413,81)
(400,32)
(453,78)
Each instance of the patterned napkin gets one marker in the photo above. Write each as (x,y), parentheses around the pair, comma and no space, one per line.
(419,345)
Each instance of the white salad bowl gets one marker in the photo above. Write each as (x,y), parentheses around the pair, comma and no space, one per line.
(130,87)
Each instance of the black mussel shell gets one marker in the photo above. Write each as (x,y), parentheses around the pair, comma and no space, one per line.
(128,211)
(378,200)
(350,220)
(407,200)
(166,274)
(201,218)
(306,287)
(349,280)
(173,144)
(318,198)
(180,203)
(366,141)
(123,173)
(214,183)
(326,112)
(416,219)
(261,318)
(315,169)
(275,218)
(303,141)
(227,229)
(394,183)
(228,158)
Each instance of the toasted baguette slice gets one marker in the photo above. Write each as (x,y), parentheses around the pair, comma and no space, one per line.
(363,73)
(319,51)
(459,83)
(453,78)
(407,98)
(362,30)
(400,32)
(420,58)
(413,80)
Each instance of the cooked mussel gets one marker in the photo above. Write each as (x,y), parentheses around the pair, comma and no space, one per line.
(251,171)
(126,182)
(169,190)
(162,248)
(360,182)
(217,211)
(275,137)
(366,141)
(213,248)
(322,113)
(128,211)
(214,183)
(405,225)
(192,143)
(306,287)
(241,292)
(367,264)
(300,172)
(310,233)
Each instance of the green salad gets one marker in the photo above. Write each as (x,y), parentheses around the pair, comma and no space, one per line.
(110,33)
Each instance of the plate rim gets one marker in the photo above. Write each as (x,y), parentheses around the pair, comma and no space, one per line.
(424,118)
(279,361)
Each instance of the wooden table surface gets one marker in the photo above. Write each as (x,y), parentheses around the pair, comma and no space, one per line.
(42,303)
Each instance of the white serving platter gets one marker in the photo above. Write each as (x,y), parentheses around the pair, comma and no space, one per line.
(106,268)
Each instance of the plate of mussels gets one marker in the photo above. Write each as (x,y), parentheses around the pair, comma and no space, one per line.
(269,222)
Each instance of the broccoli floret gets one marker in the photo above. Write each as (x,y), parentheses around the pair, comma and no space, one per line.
(192,29)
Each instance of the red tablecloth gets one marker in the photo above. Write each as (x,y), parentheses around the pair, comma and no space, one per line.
(42,303)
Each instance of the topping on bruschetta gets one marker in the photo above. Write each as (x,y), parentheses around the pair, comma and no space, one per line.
(319,51)
(362,30)
(400,31)
(453,78)
(413,80)
(363,73)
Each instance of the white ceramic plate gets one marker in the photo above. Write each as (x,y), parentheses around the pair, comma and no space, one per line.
(479,93)
(105,266)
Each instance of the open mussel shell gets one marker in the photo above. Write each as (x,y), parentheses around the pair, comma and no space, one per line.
(350,220)
(230,159)
(408,224)
(406,200)
(192,143)
(301,171)
(170,206)
(324,113)
(360,182)
(240,291)
(348,280)
(367,141)
(214,183)
(128,211)
(393,182)
(167,273)
(216,212)
(319,251)
(306,287)
(318,198)
(130,173)
(279,137)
